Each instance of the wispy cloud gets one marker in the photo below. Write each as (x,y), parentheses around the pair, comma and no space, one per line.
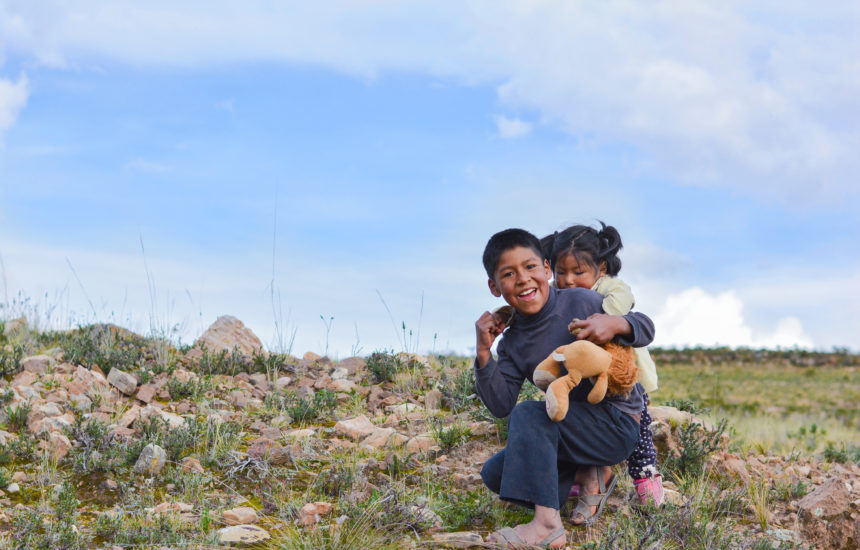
(142,165)
(720,94)
(508,128)
(13,98)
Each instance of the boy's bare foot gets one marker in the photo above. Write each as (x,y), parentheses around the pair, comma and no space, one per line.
(589,485)
(539,531)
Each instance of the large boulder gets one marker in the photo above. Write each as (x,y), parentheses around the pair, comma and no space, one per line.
(227,333)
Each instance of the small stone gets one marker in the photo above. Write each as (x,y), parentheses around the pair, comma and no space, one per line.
(282,382)
(39,364)
(311,356)
(379,438)
(339,373)
(264,448)
(311,512)
(420,444)
(248,534)
(464,539)
(353,364)
(342,385)
(111,485)
(271,432)
(355,428)
(13,488)
(192,465)
(146,393)
(122,381)
(58,446)
(240,515)
(151,460)
(403,409)
(19,477)
(301,434)
(432,401)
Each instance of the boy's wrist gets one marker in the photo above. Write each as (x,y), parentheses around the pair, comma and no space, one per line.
(483,357)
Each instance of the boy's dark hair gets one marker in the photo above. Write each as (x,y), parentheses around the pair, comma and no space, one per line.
(505,240)
(586,244)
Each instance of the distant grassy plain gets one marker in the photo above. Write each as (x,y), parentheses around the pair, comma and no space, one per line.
(773,401)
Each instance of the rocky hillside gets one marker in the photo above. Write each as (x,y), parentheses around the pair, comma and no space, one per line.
(112,440)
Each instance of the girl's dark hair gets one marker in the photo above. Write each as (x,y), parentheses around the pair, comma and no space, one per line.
(586,244)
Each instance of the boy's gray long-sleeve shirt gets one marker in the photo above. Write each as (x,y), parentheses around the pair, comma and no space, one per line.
(531,338)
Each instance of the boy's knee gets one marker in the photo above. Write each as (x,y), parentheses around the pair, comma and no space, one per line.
(491,472)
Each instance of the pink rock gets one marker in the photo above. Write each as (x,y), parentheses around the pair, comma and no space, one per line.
(146,393)
(240,515)
(355,428)
(379,438)
(419,444)
(226,333)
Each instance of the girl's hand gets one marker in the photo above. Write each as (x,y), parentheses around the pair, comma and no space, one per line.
(601,328)
(487,328)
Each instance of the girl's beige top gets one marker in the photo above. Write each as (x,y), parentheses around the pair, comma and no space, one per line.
(618,300)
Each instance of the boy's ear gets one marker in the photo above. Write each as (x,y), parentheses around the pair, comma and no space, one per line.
(493,288)
(548,270)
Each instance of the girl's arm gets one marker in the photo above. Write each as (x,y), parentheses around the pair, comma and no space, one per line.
(617,296)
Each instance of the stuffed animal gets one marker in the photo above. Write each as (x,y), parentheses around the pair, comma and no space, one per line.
(613,365)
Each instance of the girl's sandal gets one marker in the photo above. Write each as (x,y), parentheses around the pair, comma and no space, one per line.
(587,502)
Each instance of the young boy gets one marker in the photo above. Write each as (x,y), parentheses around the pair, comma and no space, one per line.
(535,468)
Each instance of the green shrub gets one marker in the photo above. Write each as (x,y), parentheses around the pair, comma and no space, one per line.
(458,390)
(60,533)
(448,438)
(224,362)
(10,358)
(96,450)
(18,416)
(104,345)
(383,366)
(695,445)
(845,453)
(194,388)
(306,409)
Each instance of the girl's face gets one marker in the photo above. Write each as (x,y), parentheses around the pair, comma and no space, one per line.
(570,272)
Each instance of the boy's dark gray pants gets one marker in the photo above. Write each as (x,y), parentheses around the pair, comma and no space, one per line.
(540,458)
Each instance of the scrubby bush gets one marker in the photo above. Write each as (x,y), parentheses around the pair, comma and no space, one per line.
(695,444)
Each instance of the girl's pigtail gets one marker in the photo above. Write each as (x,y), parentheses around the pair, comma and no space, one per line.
(546,245)
(610,245)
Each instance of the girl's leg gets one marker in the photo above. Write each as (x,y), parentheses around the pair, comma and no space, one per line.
(642,463)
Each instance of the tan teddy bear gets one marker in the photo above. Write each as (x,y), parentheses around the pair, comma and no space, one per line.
(613,365)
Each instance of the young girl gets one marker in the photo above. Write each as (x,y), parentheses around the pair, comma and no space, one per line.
(582,256)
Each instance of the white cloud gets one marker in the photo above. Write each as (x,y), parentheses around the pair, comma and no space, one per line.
(758,97)
(695,317)
(13,98)
(508,128)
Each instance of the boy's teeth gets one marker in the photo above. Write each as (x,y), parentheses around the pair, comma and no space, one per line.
(527,292)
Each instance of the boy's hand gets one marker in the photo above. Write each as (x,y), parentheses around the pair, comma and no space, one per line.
(601,328)
(487,327)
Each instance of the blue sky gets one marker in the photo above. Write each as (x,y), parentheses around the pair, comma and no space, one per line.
(163,165)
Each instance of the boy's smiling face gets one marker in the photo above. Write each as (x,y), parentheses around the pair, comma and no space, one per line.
(522,279)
